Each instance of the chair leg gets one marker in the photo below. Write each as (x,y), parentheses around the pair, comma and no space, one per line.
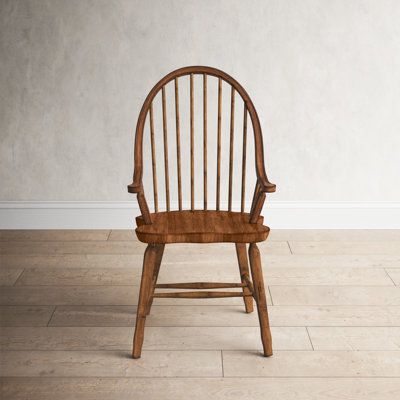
(258,283)
(160,252)
(148,272)
(244,270)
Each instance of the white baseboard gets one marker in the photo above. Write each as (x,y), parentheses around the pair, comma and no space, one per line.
(121,214)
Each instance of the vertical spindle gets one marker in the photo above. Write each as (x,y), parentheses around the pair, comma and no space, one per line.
(231,142)
(244,148)
(205,139)
(153,159)
(255,196)
(166,174)
(191,144)
(219,144)
(178,144)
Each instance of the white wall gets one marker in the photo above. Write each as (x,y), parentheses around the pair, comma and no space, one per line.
(324,76)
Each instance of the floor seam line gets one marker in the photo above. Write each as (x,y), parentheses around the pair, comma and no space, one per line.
(51,317)
(387,273)
(19,276)
(309,337)
(270,295)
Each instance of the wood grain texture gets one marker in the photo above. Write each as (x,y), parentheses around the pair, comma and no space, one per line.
(8,276)
(244,271)
(231,147)
(25,315)
(213,315)
(219,122)
(335,295)
(165,138)
(157,338)
(337,235)
(90,295)
(110,364)
(153,158)
(76,299)
(201,226)
(314,364)
(350,247)
(151,265)
(278,254)
(122,234)
(244,158)
(260,298)
(47,235)
(47,388)
(70,247)
(178,144)
(191,142)
(355,338)
(205,199)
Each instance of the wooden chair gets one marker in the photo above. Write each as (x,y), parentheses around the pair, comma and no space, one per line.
(201,225)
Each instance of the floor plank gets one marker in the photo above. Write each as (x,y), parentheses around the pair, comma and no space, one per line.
(111,364)
(82,276)
(62,261)
(122,234)
(368,235)
(201,389)
(275,234)
(157,338)
(337,235)
(218,272)
(25,315)
(94,295)
(49,235)
(71,247)
(203,315)
(127,247)
(8,276)
(313,364)
(63,295)
(69,303)
(335,295)
(355,338)
(207,259)
(348,247)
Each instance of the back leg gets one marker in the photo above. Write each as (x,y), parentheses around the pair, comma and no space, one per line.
(148,273)
(244,270)
(259,291)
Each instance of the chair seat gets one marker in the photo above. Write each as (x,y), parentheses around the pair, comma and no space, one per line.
(201,227)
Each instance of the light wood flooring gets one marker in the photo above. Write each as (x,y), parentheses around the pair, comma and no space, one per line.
(68,304)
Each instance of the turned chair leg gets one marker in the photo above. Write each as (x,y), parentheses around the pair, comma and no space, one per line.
(149,275)
(244,271)
(160,252)
(259,294)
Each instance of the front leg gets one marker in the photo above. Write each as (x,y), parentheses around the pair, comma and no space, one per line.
(244,270)
(145,293)
(160,252)
(259,292)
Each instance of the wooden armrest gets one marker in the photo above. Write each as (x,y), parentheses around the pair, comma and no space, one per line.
(134,188)
(267,187)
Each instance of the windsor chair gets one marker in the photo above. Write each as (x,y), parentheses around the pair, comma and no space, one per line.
(201,225)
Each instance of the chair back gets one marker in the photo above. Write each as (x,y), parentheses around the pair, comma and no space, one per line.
(198,141)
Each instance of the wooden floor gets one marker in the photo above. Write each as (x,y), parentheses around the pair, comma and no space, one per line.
(68,303)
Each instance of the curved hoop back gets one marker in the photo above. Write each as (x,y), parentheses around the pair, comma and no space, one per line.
(147,110)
